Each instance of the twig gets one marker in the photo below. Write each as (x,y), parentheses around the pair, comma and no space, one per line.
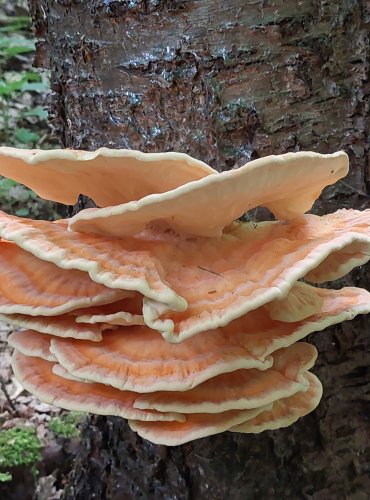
(6,394)
(209,271)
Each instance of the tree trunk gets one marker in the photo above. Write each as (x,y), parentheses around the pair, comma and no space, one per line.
(226,81)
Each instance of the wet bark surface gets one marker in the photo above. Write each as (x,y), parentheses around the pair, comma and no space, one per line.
(225,81)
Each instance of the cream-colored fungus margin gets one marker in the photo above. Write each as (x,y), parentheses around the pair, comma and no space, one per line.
(126,312)
(38,288)
(340,262)
(32,343)
(285,411)
(59,370)
(60,326)
(301,302)
(196,426)
(119,319)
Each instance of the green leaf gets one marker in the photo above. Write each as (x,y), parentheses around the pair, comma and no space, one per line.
(35,87)
(8,87)
(19,447)
(14,46)
(5,476)
(22,212)
(25,136)
(6,184)
(14,24)
(10,41)
(39,112)
(66,426)
(16,50)
(4,89)
(32,76)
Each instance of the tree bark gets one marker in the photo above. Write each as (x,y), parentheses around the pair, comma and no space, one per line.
(226,81)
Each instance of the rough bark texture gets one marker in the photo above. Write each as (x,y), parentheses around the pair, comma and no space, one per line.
(226,81)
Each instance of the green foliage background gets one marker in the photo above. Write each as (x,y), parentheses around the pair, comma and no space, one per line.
(23,124)
(18,447)
(23,118)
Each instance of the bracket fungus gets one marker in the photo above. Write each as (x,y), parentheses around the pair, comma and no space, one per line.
(168,313)
(108,176)
(287,184)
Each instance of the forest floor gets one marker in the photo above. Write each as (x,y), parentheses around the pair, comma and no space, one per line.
(38,441)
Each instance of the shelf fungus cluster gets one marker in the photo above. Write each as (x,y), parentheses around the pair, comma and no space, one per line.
(159,306)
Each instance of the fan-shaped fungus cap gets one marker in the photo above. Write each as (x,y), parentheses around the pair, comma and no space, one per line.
(41,288)
(63,325)
(242,389)
(337,306)
(287,184)
(200,425)
(59,370)
(35,374)
(126,265)
(108,176)
(138,359)
(244,372)
(343,259)
(285,411)
(32,343)
(164,266)
(122,313)
(237,262)
(196,426)
(301,302)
